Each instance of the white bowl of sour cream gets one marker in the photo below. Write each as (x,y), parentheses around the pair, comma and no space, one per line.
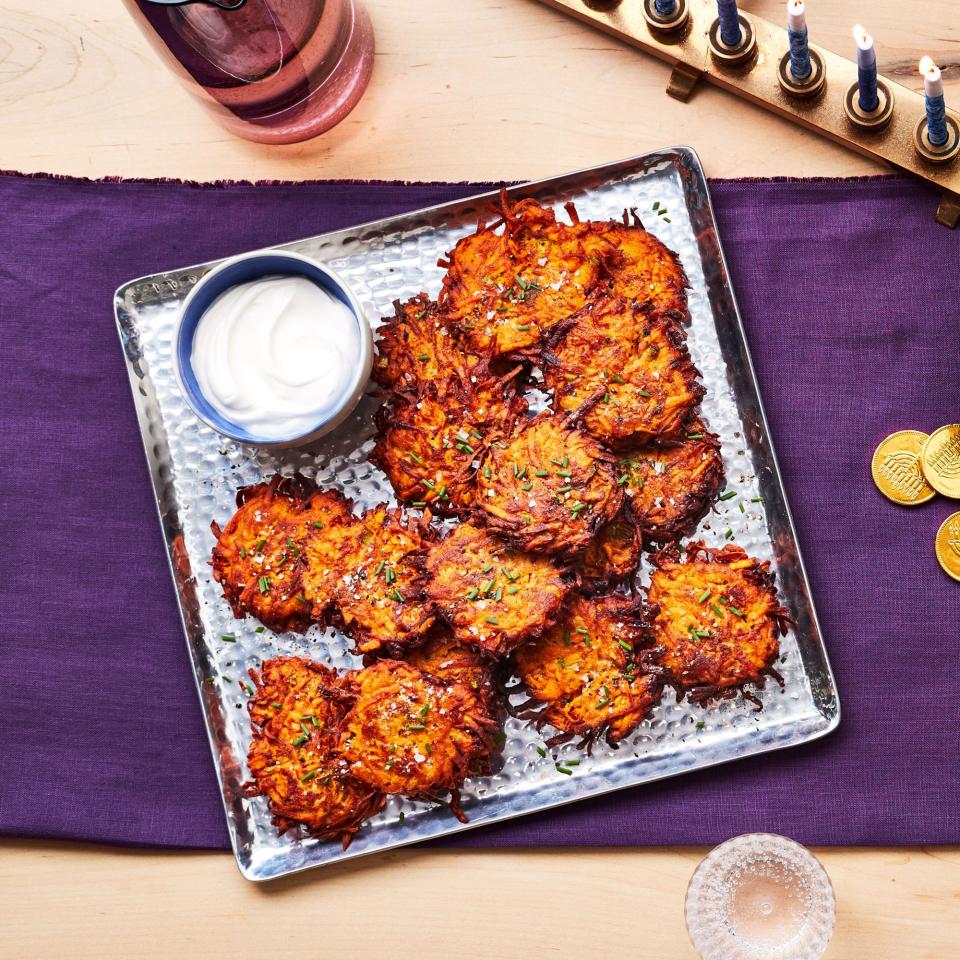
(272,349)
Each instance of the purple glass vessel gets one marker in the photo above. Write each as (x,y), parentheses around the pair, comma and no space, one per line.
(274,71)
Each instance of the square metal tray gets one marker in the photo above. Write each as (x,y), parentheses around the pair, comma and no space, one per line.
(196,473)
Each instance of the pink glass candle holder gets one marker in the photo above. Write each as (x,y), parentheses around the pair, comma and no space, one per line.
(274,71)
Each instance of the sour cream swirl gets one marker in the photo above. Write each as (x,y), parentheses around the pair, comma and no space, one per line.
(276,355)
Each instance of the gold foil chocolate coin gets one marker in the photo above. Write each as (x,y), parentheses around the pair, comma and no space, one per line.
(947,546)
(940,460)
(896,468)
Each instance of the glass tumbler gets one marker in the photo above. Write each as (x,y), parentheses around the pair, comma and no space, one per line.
(274,71)
(760,897)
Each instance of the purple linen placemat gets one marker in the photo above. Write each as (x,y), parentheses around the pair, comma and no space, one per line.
(851,298)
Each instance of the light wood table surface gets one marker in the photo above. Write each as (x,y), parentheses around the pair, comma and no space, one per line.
(463,89)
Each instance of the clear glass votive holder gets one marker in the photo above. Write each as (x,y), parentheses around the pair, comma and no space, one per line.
(760,897)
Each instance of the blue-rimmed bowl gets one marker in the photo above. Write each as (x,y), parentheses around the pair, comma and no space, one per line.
(256,266)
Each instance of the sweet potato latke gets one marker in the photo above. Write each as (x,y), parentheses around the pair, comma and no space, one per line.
(504,289)
(492,596)
(379,595)
(416,345)
(428,442)
(259,556)
(414,734)
(591,670)
(624,370)
(718,618)
(549,487)
(638,267)
(297,711)
(446,657)
(672,483)
(614,554)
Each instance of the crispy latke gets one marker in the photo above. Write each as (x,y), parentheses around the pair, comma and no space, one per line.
(718,618)
(549,487)
(417,344)
(625,371)
(591,670)
(259,556)
(297,711)
(379,592)
(446,657)
(672,483)
(414,734)
(492,596)
(613,555)
(638,266)
(429,441)
(506,288)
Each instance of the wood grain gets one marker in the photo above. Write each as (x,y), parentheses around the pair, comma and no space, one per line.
(88,902)
(466,90)
(473,89)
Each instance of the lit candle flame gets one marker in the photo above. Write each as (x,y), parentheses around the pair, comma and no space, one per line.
(928,68)
(864,40)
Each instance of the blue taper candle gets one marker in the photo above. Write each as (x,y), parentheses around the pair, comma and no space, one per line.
(729,22)
(797,35)
(866,70)
(933,96)
(665,8)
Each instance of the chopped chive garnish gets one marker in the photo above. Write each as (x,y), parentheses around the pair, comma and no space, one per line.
(626,646)
(645,393)
(703,596)
(694,436)
(728,534)
(623,480)
(728,495)
(380,567)
(415,457)
(526,486)
(486,568)
(263,583)
(541,751)
(228,638)
(494,621)
(560,769)
(259,629)
(500,739)
(397,595)
(419,503)
(700,724)
(300,741)
(736,612)
(541,473)
(716,609)
(757,500)
(513,590)
(473,593)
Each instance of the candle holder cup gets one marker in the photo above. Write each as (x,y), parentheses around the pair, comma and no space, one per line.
(945,152)
(868,120)
(811,85)
(667,28)
(738,55)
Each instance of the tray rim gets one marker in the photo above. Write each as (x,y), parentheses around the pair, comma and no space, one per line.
(676,153)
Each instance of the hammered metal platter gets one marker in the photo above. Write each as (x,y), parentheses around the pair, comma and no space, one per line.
(196,474)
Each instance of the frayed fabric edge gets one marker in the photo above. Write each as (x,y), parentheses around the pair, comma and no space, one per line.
(224,184)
